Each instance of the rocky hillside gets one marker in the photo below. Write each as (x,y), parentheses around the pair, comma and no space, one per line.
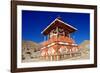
(85,45)
(30,50)
(85,49)
(31,45)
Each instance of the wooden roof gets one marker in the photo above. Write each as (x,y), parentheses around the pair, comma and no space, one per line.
(58,23)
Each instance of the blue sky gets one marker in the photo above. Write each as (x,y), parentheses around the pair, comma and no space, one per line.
(34,22)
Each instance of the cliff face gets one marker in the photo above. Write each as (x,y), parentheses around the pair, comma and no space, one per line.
(30,50)
(85,46)
(31,45)
(85,49)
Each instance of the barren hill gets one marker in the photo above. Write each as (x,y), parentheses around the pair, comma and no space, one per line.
(31,45)
(30,50)
(85,49)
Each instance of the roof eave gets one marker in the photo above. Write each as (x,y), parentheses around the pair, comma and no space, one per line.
(59,21)
(48,26)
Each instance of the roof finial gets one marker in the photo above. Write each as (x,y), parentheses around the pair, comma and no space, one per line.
(59,17)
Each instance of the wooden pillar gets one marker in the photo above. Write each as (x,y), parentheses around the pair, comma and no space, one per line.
(55,57)
(57,29)
(69,35)
(51,57)
(70,52)
(48,36)
(58,57)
